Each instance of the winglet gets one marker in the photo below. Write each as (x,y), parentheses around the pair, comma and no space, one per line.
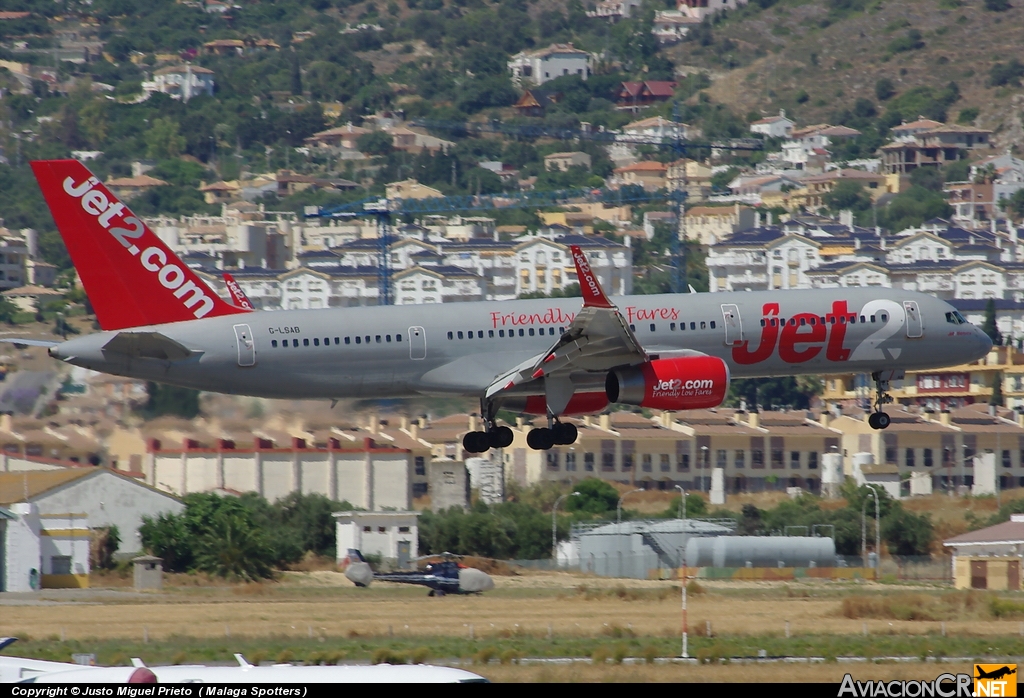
(593,294)
(137,663)
(238,296)
(5,641)
(242,662)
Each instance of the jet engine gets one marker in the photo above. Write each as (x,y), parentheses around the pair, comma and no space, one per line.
(687,383)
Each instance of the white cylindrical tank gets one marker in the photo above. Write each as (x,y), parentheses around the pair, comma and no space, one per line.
(832,469)
(699,552)
(772,551)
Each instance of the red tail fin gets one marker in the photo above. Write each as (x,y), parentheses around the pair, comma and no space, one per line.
(238,296)
(132,278)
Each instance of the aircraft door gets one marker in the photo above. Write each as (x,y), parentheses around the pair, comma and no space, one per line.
(733,324)
(246,346)
(915,323)
(417,343)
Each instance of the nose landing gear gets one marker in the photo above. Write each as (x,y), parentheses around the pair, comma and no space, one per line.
(879,419)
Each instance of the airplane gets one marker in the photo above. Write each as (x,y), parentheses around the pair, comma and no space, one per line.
(19,670)
(552,357)
(443,577)
(995,673)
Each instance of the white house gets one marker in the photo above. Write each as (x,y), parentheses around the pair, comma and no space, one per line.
(393,535)
(699,9)
(672,26)
(537,67)
(419,285)
(182,81)
(103,496)
(774,126)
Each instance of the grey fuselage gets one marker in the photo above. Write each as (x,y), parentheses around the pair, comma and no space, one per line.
(461,348)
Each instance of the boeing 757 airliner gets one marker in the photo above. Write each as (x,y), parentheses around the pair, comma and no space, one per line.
(553,357)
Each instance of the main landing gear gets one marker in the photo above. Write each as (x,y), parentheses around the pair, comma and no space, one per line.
(558,434)
(879,419)
(492,437)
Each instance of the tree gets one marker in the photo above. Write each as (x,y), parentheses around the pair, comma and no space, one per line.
(171,399)
(375,143)
(595,497)
(990,326)
(788,391)
(997,390)
(233,547)
(848,195)
(997,5)
(884,89)
(163,140)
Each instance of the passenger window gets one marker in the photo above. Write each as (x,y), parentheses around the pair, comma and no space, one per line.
(632,328)
(378,339)
(501,333)
(387,338)
(652,327)
(712,324)
(460,334)
(273,342)
(398,338)
(359,340)
(703,325)
(490,334)
(551,331)
(327,341)
(862,319)
(523,334)
(348,340)
(884,317)
(803,322)
(842,320)
(823,320)
(451,336)
(561,330)
(775,322)
(853,319)
(531,331)
(316,341)
(762,323)
(337,340)
(814,321)
(672,326)
(832,319)
(367,338)
(693,325)
(295,342)
(479,334)
(305,342)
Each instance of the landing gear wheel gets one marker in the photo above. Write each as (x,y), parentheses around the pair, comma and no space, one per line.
(879,419)
(500,437)
(565,433)
(476,442)
(540,439)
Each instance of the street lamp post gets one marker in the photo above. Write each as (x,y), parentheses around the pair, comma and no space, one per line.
(618,507)
(554,530)
(682,502)
(704,451)
(863,530)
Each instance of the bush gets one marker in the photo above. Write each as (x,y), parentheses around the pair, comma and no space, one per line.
(386,655)
(884,89)
(420,655)
(600,655)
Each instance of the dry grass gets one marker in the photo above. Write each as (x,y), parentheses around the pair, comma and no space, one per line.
(607,672)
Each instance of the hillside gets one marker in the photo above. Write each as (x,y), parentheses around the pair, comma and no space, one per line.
(815,59)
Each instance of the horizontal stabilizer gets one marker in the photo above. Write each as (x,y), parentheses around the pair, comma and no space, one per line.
(29,342)
(147,345)
(6,641)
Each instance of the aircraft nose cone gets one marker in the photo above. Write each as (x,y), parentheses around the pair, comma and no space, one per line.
(984,341)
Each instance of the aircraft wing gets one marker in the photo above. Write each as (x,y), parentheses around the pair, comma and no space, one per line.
(598,339)
(18,341)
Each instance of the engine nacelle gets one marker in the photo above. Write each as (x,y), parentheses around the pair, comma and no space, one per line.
(687,383)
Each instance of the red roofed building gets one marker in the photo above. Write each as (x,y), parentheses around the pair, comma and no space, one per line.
(989,558)
(632,95)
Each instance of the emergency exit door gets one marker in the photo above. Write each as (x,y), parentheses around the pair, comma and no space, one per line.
(246,346)
(417,343)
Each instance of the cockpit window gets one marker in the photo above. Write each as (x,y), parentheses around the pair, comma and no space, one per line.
(955,318)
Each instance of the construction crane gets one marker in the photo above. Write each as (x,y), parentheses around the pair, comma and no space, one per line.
(385,209)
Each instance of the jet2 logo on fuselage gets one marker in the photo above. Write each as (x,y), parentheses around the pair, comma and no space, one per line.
(802,336)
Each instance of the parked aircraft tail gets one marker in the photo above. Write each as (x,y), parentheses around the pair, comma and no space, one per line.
(132,278)
(238,296)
